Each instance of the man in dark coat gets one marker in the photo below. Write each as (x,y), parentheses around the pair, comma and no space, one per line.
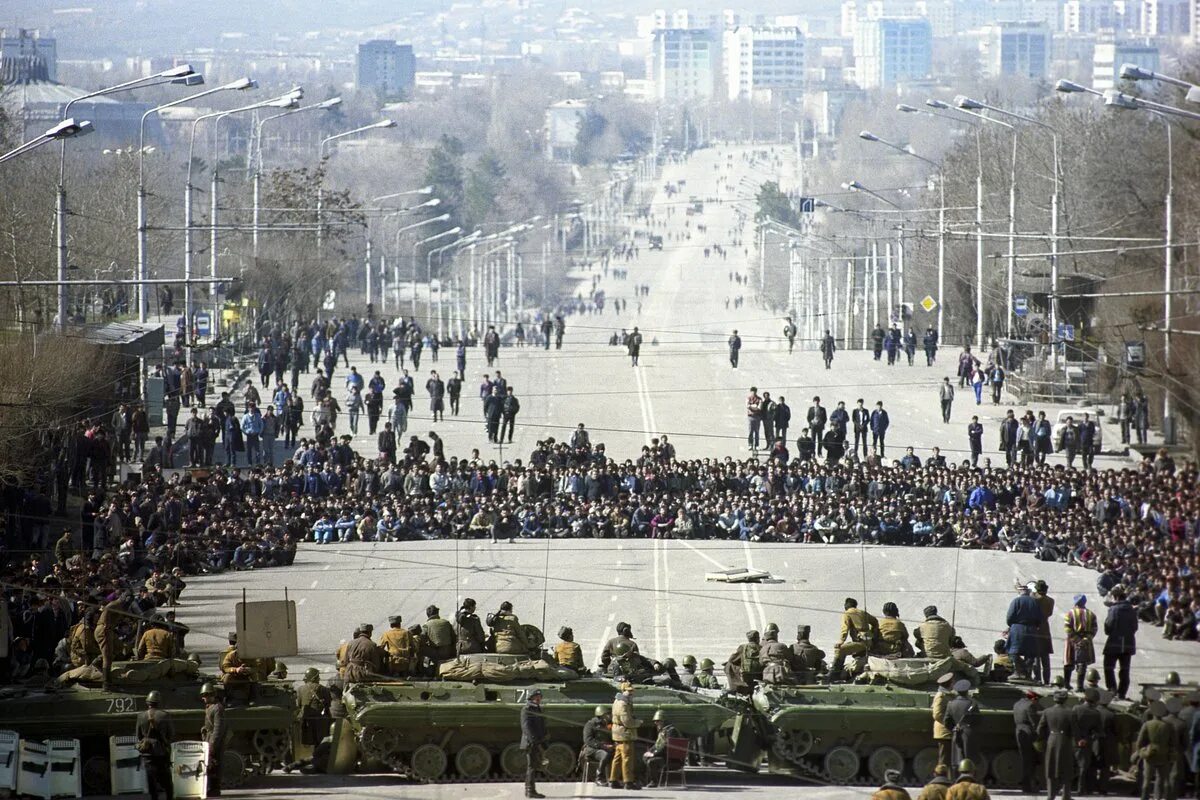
(533,733)
(155,732)
(963,719)
(1056,729)
(469,629)
(1121,629)
(1023,620)
(1089,741)
(1025,724)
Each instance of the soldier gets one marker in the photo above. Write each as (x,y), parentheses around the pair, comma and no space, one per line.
(942,737)
(421,650)
(213,732)
(508,636)
(106,632)
(469,629)
(533,734)
(235,673)
(687,675)
(597,743)
(364,659)
(966,787)
(776,658)
(1055,729)
(655,759)
(81,641)
(1180,764)
(157,643)
(1156,748)
(155,732)
(706,678)
(399,649)
(962,718)
(567,653)
(1081,627)
(1025,724)
(859,630)
(891,788)
(744,667)
(938,786)
(808,660)
(1109,750)
(622,772)
(1089,741)
(624,634)
(630,666)
(440,636)
(339,657)
(313,701)
(893,635)
(933,635)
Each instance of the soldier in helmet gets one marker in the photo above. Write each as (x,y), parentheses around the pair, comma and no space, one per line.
(567,653)
(1025,725)
(687,675)
(1055,729)
(1157,748)
(966,787)
(398,648)
(776,658)
(598,744)
(624,635)
(1172,678)
(744,667)
(313,700)
(891,788)
(213,731)
(655,758)
(963,718)
(155,732)
(236,674)
(628,664)
(81,641)
(440,635)
(808,660)
(706,678)
(469,629)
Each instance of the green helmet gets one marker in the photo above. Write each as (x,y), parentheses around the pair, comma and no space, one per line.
(154,698)
(771,627)
(707,664)
(209,688)
(281,671)
(1093,675)
(689,662)
(1172,678)
(312,675)
(600,711)
(669,664)
(966,766)
(659,716)
(622,649)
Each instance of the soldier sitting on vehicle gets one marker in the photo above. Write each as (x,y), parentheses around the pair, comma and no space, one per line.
(808,660)
(776,658)
(744,667)
(567,653)
(629,665)
(706,678)
(399,648)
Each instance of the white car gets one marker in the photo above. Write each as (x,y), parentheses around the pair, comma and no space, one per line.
(1076,414)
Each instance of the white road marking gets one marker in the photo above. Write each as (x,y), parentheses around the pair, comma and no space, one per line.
(762,611)
(746,601)
(327,566)
(658,598)
(667,591)
(300,602)
(314,584)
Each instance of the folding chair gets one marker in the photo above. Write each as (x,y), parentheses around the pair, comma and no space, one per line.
(678,748)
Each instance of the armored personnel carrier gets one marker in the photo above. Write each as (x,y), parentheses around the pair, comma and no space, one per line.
(469,730)
(261,734)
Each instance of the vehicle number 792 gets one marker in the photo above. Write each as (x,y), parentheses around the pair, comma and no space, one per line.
(121,705)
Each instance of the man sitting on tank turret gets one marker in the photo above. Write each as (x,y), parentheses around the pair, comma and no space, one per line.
(776,658)
(808,660)
(744,667)
(508,637)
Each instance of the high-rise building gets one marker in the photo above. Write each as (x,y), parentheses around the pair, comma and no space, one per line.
(1166,17)
(1089,16)
(682,64)
(1108,57)
(30,46)
(892,50)
(762,58)
(387,68)
(1017,49)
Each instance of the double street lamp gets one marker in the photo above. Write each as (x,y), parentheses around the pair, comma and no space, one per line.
(383,123)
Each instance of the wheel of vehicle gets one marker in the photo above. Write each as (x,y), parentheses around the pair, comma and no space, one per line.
(378,743)
(95,775)
(982,766)
(923,763)
(473,761)
(233,769)
(272,745)
(792,745)
(512,761)
(1007,768)
(428,762)
(882,760)
(842,764)
(559,761)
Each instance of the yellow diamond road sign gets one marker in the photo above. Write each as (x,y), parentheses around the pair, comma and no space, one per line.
(929,304)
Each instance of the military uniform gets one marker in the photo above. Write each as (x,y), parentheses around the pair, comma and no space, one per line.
(1025,725)
(339,658)
(569,654)
(808,660)
(364,660)
(624,734)
(236,674)
(706,679)
(155,733)
(1156,745)
(1056,727)
(441,637)
(1089,741)
(507,634)
(469,632)
(687,678)
(598,746)
(400,651)
(82,645)
(744,667)
(156,644)
(106,633)
(213,732)
(859,631)
(965,788)
(936,789)
(942,736)
(655,759)
(933,637)
(962,718)
(893,639)
(607,651)
(777,662)
(313,701)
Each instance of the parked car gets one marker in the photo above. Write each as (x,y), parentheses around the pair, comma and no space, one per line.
(1076,414)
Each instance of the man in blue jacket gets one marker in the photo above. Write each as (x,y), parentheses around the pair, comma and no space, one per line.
(1121,629)
(1024,619)
(879,426)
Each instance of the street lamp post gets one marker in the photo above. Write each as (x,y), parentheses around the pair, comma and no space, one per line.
(413,260)
(450,232)
(383,123)
(239,85)
(429,272)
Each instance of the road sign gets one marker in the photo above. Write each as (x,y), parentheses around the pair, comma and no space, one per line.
(203,324)
(928,303)
(1020,305)
(1066,332)
(808,205)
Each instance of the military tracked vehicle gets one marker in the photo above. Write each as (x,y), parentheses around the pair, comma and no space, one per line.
(261,735)
(469,730)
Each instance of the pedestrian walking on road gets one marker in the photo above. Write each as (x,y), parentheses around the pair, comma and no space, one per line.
(789,331)
(735,347)
(975,438)
(508,410)
(910,345)
(977,384)
(828,346)
(946,396)
(633,342)
(437,395)
(996,379)
(930,342)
